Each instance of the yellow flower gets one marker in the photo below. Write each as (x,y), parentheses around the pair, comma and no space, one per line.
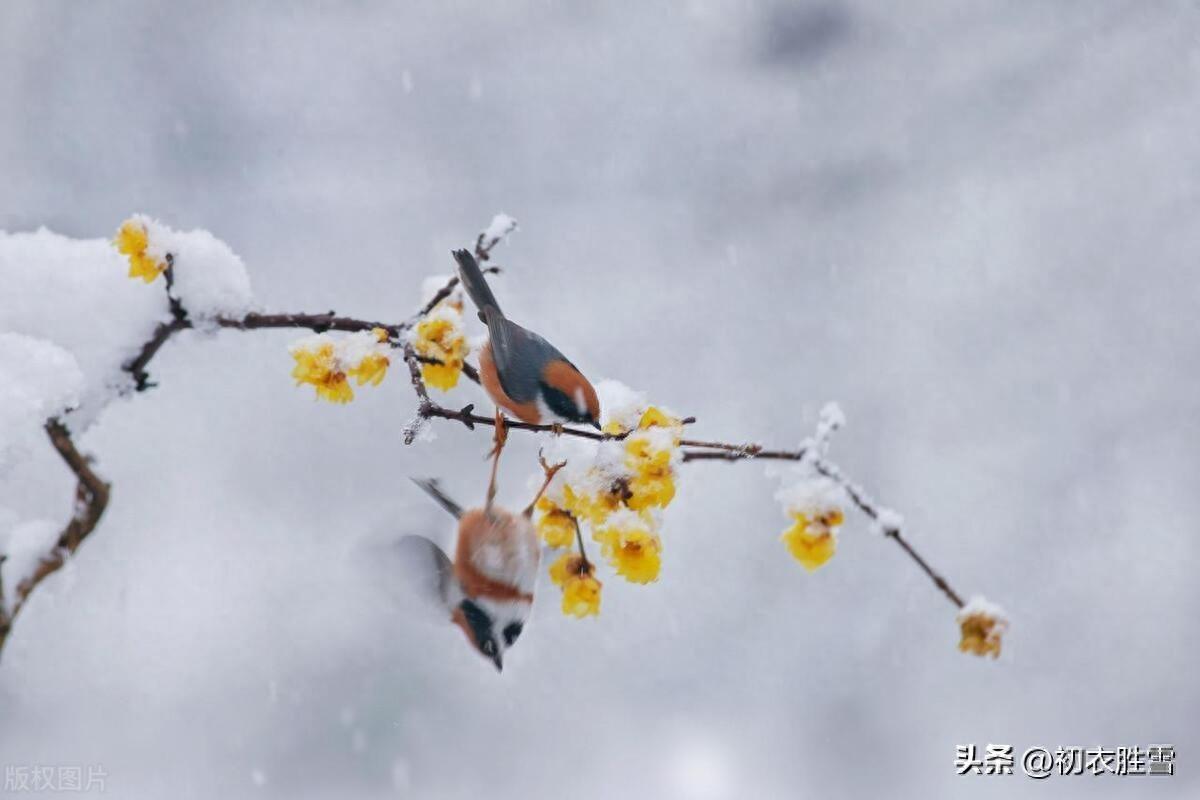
(653,481)
(982,626)
(555,525)
(132,240)
(632,547)
(647,489)
(581,590)
(318,367)
(594,508)
(657,418)
(811,540)
(371,369)
(439,336)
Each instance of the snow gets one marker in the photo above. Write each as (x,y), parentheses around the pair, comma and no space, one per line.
(38,380)
(619,404)
(591,468)
(75,294)
(979,605)
(887,519)
(501,226)
(352,348)
(23,546)
(810,492)
(210,279)
(830,420)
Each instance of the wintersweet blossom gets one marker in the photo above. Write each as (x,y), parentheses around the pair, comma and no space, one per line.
(326,363)
(439,336)
(811,541)
(318,366)
(814,504)
(592,506)
(554,524)
(631,545)
(133,241)
(982,625)
(652,454)
(373,366)
(581,590)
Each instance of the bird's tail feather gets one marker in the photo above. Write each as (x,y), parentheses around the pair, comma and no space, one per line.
(476,285)
(432,488)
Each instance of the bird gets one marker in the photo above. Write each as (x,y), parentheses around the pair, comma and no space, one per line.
(521,372)
(487,589)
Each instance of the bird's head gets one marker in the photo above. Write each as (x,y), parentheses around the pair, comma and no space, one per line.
(490,628)
(569,395)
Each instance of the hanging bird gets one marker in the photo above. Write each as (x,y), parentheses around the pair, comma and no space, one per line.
(488,587)
(524,374)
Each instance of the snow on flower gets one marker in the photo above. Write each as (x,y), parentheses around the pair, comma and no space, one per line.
(621,408)
(629,541)
(814,503)
(209,279)
(580,588)
(982,625)
(327,363)
(439,337)
(618,485)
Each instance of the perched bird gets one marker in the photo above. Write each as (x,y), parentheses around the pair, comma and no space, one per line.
(524,374)
(488,587)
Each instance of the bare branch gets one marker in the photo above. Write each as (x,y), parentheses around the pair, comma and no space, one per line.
(720,451)
(91,498)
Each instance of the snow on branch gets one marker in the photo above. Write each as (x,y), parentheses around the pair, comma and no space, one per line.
(616,483)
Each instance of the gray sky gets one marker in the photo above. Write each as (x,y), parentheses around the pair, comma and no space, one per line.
(973,226)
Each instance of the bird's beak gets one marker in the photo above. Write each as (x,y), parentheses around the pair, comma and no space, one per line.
(499,662)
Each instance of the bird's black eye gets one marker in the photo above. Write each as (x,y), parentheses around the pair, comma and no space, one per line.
(511,632)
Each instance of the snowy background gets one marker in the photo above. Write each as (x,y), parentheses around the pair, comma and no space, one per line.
(973,225)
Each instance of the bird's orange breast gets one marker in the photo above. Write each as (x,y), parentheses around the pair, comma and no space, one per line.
(496,555)
(526,412)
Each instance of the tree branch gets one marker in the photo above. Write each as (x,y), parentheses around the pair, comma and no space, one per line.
(721,451)
(92,493)
(91,498)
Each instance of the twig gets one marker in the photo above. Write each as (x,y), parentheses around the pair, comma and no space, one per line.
(448,289)
(91,498)
(585,566)
(720,451)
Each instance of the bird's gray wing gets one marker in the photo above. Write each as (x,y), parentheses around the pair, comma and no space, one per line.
(520,356)
(429,572)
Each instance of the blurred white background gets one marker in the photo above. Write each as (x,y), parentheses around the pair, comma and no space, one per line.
(973,225)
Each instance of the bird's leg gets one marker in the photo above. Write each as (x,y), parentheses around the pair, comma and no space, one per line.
(498,440)
(551,470)
(556,428)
